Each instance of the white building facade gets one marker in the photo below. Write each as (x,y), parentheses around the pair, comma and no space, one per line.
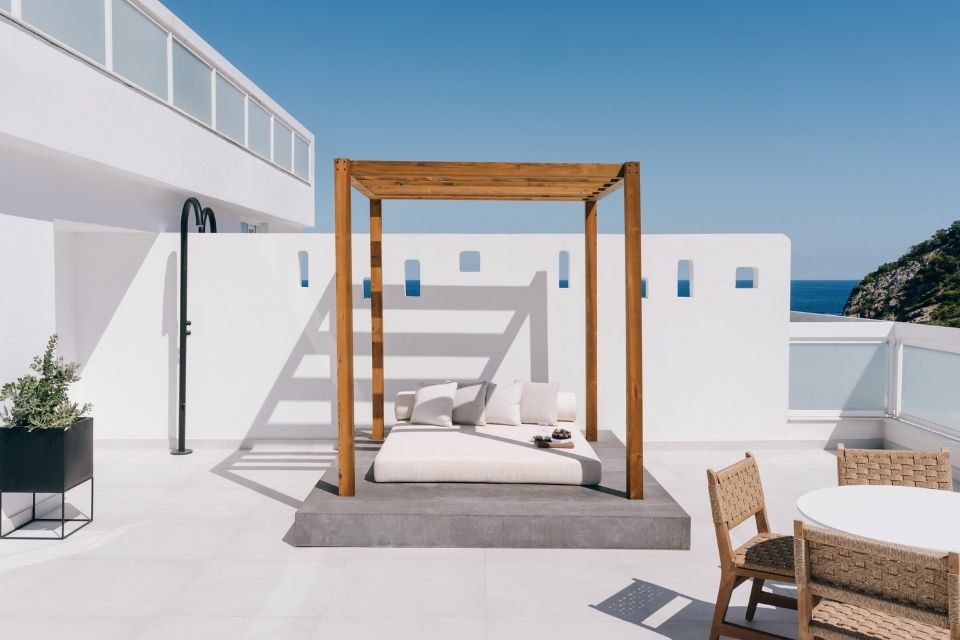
(113,113)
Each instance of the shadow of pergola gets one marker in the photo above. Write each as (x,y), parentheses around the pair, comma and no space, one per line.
(526,305)
(679,617)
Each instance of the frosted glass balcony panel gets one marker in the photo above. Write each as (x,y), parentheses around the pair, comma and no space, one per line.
(301,157)
(5,5)
(282,145)
(929,386)
(258,130)
(79,24)
(838,377)
(139,49)
(191,83)
(229,110)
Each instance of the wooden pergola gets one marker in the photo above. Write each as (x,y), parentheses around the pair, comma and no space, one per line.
(393,180)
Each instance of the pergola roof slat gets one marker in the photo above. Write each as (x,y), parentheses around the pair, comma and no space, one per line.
(387,180)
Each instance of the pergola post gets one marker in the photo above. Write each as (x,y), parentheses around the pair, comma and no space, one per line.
(634,329)
(344,279)
(376,316)
(590,319)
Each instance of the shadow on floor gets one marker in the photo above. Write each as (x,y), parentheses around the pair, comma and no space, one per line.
(678,617)
(246,460)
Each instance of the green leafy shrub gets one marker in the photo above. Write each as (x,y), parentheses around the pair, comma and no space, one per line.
(43,402)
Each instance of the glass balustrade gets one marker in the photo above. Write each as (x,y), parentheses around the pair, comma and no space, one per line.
(840,377)
(930,380)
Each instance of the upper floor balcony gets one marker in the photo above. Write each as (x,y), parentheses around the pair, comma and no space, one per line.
(126,88)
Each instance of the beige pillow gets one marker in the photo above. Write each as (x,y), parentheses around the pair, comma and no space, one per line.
(403,404)
(503,403)
(469,402)
(538,403)
(433,405)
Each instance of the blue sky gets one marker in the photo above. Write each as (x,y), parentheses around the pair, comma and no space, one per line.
(836,123)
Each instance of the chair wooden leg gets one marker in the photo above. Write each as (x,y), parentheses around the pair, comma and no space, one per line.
(727,584)
(755,592)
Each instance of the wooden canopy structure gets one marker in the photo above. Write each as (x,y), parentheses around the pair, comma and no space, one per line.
(397,180)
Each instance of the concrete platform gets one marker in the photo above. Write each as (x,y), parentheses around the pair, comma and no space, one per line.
(455,515)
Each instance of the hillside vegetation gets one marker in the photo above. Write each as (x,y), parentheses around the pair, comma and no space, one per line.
(922,286)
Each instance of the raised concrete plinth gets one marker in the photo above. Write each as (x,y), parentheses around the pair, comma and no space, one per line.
(492,515)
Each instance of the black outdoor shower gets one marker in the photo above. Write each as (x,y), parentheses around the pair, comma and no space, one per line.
(201,216)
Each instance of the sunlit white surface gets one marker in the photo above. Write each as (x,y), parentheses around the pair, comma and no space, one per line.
(927,518)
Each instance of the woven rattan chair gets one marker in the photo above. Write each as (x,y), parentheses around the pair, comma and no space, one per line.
(735,496)
(871,590)
(928,469)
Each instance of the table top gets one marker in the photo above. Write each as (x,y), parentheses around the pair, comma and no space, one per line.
(926,518)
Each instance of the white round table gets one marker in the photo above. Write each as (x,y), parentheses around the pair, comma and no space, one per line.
(926,518)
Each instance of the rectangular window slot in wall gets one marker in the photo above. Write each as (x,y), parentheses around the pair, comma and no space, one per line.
(366,289)
(564,269)
(684,279)
(304,261)
(411,278)
(469,261)
(746,278)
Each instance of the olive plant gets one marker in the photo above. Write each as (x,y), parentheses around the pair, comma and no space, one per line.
(42,401)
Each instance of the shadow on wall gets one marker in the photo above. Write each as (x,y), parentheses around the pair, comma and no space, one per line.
(94,276)
(678,617)
(170,328)
(527,303)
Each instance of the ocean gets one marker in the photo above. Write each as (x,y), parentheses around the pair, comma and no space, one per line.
(820,296)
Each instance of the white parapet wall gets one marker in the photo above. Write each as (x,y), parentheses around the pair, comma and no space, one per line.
(262,359)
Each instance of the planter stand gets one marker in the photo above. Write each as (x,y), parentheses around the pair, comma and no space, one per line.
(63,520)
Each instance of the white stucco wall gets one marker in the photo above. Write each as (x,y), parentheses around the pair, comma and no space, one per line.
(27,312)
(29,315)
(261,357)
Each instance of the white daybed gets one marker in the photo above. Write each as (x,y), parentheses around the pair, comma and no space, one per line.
(491,453)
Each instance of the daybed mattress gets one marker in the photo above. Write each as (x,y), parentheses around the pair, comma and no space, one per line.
(493,453)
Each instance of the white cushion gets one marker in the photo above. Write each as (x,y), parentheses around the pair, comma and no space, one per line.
(433,404)
(503,403)
(566,406)
(403,405)
(469,402)
(538,403)
(494,453)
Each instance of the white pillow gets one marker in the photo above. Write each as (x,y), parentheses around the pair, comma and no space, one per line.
(503,403)
(566,407)
(433,404)
(469,402)
(538,403)
(403,405)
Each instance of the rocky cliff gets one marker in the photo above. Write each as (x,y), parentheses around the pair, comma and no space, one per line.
(922,286)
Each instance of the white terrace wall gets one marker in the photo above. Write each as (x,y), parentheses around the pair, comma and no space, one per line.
(261,357)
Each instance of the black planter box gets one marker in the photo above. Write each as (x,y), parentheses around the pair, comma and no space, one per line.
(46,460)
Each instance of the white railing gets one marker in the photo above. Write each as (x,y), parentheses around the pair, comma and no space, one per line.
(144,50)
(876,369)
